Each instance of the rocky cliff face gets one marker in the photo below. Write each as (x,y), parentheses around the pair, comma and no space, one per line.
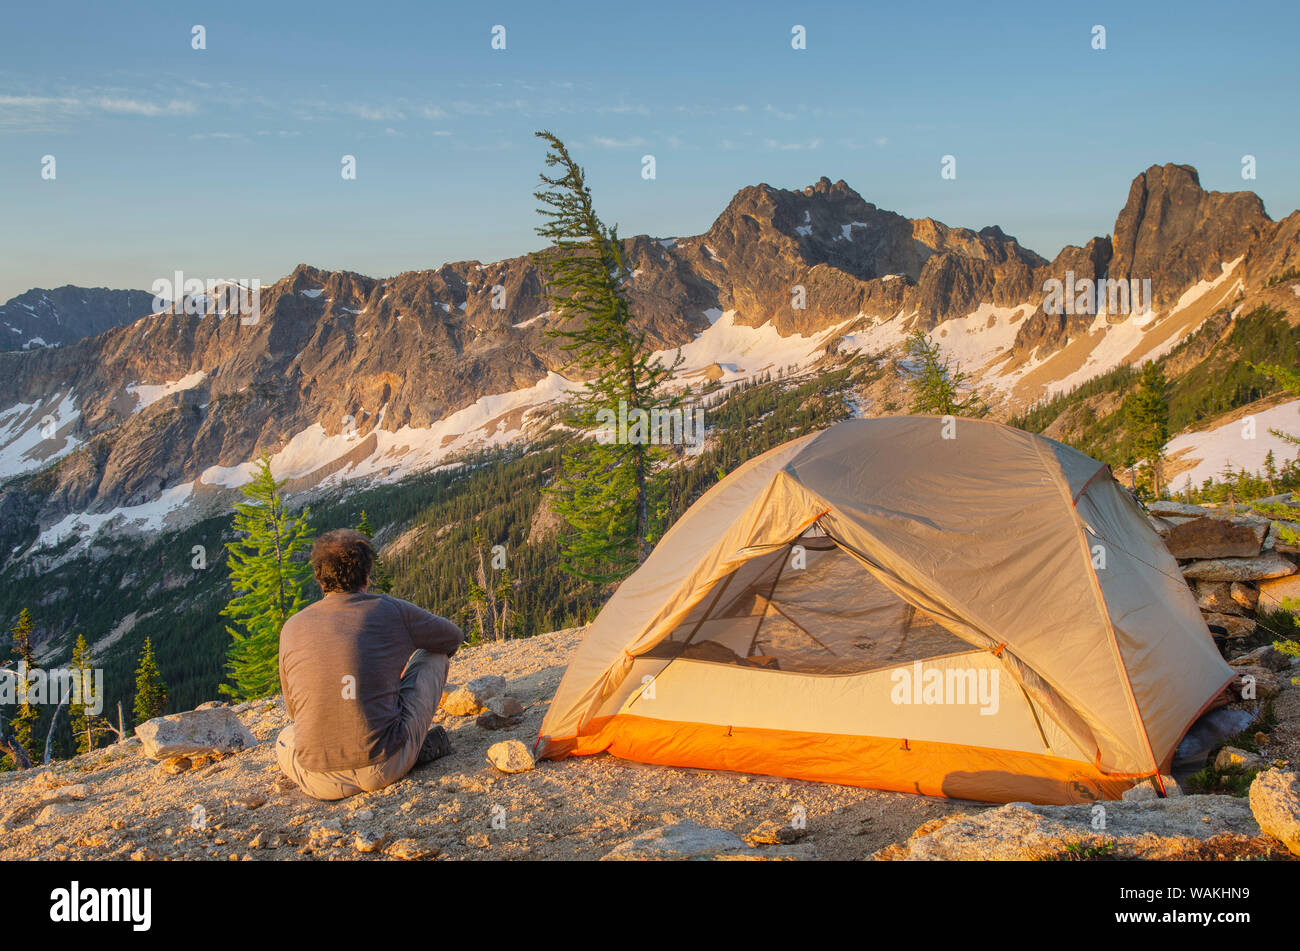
(1170,232)
(347,374)
(64,315)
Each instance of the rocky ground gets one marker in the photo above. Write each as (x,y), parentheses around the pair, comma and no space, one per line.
(119,803)
(116,803)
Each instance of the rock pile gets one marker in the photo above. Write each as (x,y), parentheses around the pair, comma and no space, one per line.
(1238,566)
(486,699)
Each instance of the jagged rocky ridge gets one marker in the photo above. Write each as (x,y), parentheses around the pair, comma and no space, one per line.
(342,369)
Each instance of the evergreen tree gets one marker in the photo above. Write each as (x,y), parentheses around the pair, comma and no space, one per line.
(150,691)
(381,579)
(269,577)
(1147,411)
(24,722)
(937,381)
(86,727)
(608,487)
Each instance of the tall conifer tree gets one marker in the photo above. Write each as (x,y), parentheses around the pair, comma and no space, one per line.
(270,576)
(1147,411)
(86,727)
(24,722)
(150,691)
(607,490)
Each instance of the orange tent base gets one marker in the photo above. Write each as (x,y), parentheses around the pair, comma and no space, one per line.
(913,766)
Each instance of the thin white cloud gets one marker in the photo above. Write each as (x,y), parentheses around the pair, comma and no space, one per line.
(375,113)
(605,142)
(42,113)
(775,146)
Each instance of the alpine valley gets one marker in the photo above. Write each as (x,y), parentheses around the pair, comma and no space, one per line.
(426,398)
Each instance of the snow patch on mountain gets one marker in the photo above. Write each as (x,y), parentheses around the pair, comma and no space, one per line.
(147,394)
(742,351)
(32,435)
(532,320)
(1241,443)
(488,422)
(146,517)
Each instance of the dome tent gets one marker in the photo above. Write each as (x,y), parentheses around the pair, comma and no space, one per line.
(951,608)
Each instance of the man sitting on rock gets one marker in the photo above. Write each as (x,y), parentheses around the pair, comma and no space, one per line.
(362,675)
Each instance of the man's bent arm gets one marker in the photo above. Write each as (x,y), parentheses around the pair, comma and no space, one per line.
(430,632)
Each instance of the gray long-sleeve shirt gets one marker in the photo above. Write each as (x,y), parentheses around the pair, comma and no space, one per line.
(341,662)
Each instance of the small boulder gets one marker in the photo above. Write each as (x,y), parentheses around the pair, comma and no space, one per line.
(1142,792)
(1266,566)
(369,841)
(1165,508)
(774,833)
(71,791)
(56,812)
(510,756)
(492,721)
(1216,538)
(410,850)
(684,840)
(1275,804)
(1230,757)
(1246,596)
(1255,683)
(504,706)
(265,840)
(1216,597)
(198,731)
(1267,656)
(1235,625)
(461,702)
(484,688)
(1274,592)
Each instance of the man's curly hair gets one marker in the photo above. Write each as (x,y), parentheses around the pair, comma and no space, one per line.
(341,560)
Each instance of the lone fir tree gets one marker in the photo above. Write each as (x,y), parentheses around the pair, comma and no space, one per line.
(86,726)
(24,721)
(937,381)
(607,490)
(150,691)
(269,576)
(1146,410)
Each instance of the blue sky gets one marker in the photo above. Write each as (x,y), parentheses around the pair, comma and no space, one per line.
(225,162)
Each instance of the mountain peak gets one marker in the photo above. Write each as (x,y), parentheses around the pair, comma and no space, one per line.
(1173,228)
(824,187)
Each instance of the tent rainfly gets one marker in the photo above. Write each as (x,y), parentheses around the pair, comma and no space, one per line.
(948,607)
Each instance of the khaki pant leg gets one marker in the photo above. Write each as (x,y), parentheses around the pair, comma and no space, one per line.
(419,694)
